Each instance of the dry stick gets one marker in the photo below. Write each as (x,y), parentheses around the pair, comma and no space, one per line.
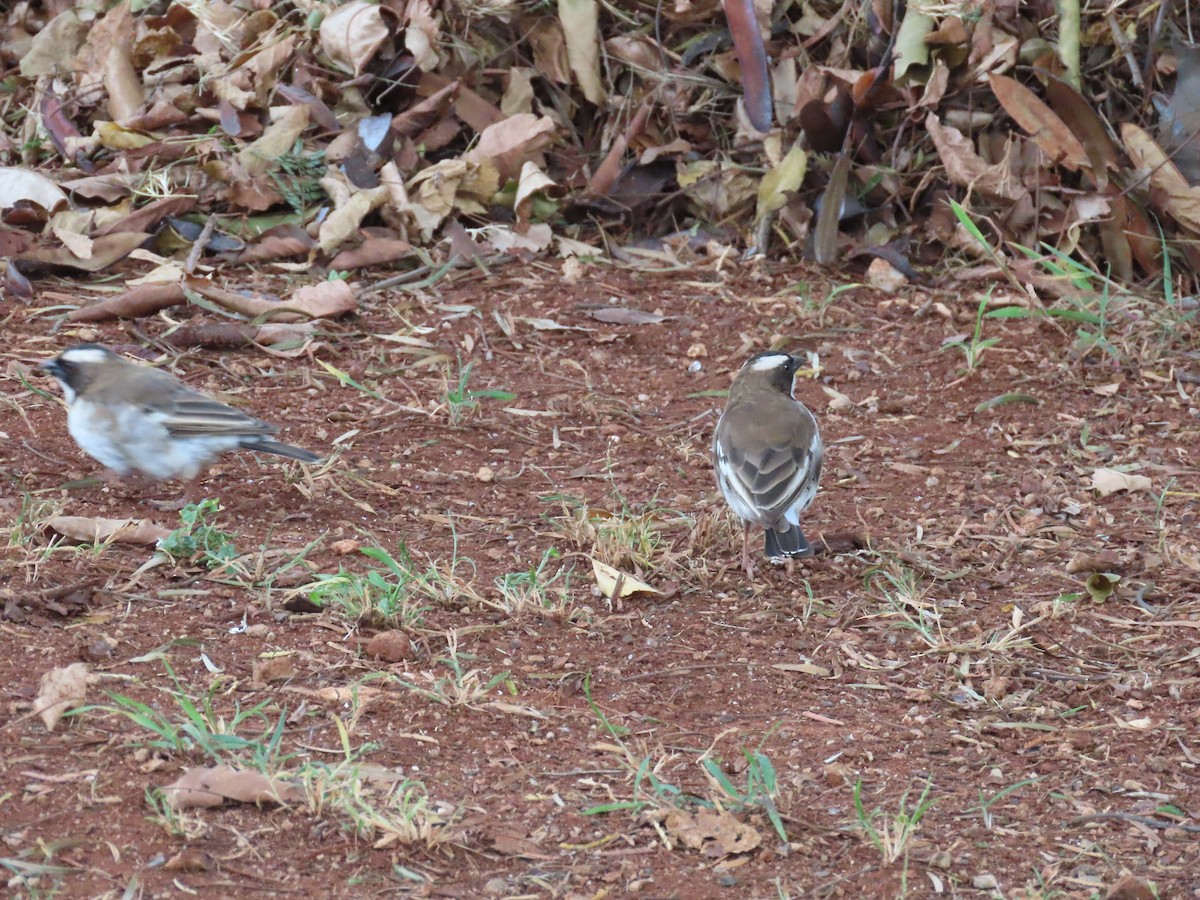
(1130,817)
(199,246)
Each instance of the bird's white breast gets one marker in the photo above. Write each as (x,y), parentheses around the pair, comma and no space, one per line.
(127,438)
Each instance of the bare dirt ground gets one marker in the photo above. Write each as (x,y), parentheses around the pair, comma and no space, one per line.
(945,702)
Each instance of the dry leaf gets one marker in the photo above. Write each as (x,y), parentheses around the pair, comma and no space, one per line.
(967,168)
(715,833)
(421,35)
(61,690)
(608,578)
(1045,127)
(580,23)
(18,184)
(99,530)
(625,315)
(353,33)
(216,785)
(531,182)
(780,181)
(1182,200)
(105,251)
(509,143)
(1109,481)
(277,139)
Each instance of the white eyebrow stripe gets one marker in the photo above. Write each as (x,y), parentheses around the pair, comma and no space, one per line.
(767,363)
(84,355)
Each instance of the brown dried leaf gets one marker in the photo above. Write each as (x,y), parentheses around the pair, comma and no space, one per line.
(1045,127)
(625,315)
(352,34)
(1110,481)
(1078,115)
(715,833)
(277,139)
(373,251)
(147,217)
(421,35)
(508,144)
(1181,200)
(143,300)
(54,47)
(96,530)
(105,251)
(126,98)
(325,299)
(413,121)
(967,168)
(215,785)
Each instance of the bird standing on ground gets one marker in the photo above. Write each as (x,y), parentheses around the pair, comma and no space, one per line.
(767,456)
(135,418)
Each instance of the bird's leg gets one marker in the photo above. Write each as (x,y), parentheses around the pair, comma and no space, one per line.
(746,562)
(188,496)
(789,566)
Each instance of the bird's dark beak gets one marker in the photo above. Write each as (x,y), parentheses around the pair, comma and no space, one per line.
(51,367)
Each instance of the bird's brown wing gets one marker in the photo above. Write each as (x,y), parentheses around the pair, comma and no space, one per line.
(772,456)
(183,411)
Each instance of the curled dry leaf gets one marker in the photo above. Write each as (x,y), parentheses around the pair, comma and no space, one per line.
(509,143)
(324,300)
(780,181)
(715,833)
(532,181)
(967,168)
(217,785)
(1109,481)
(18,184)
(352,34)
(612,580)
(99,530)
(61,690)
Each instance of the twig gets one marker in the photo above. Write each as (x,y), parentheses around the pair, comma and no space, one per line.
(199,245)
(1148,821)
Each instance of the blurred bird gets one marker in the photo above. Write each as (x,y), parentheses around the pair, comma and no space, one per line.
(767,455)
(135,418)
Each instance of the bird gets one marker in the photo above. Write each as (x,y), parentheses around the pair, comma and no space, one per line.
(138,419)
(767,455)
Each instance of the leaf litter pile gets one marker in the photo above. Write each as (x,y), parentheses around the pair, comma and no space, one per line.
(498,263)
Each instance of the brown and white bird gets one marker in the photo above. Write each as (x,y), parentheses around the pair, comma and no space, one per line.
(135,418)
(767,456)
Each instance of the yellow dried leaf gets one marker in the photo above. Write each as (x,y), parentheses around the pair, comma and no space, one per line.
(614,583)
(581,24)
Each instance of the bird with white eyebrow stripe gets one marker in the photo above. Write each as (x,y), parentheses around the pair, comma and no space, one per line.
(767,455)
(135,418)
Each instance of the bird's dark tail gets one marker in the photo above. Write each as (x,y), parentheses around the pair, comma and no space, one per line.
(279,448)
(789,544)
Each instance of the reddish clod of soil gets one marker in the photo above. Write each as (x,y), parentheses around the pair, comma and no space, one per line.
(947,639)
